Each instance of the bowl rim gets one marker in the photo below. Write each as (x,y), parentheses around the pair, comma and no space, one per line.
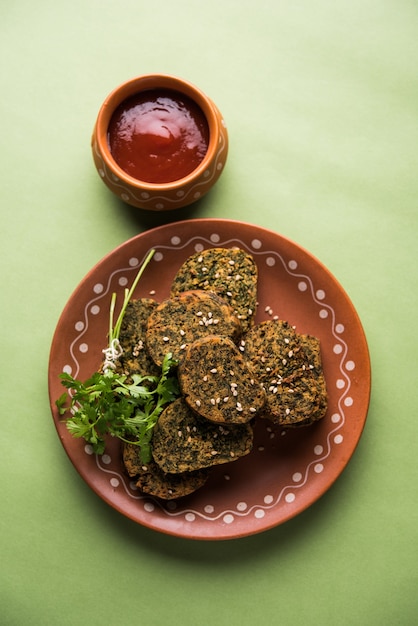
(148,82)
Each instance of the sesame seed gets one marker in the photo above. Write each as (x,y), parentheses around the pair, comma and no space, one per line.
(231,454)
(231,262)
(233,385)
(213,370)
(183,346)
(152,292)
(287,340)
(166,338)
(198,403)
(199,313)
(182,332)
(226,398)
(205,378)
(284,361)
(290,354)
(253,410)
(215,321)
(228,293)
(213,401)
(200,259)
(214,453)
(231,372)
(287,411)
(144,468)
(179,433)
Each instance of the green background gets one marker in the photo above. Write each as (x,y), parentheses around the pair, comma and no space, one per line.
(321,104)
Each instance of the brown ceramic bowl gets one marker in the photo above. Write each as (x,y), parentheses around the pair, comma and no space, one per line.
(161,196)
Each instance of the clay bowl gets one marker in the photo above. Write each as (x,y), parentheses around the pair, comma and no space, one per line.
(178,192)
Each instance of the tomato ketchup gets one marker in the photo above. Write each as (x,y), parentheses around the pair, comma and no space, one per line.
(158,136)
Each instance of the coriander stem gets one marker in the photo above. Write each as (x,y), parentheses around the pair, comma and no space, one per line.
(112,312)
(115,331)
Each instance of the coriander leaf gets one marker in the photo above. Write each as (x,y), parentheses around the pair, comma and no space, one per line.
(106,404)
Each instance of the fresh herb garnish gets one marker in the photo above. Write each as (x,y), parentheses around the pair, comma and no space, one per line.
(109,404)
(114,404)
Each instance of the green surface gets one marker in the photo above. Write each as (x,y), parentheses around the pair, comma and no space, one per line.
(321,101)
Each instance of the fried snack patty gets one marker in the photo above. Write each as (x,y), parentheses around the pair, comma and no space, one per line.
(183,441)
(135,358)
(229,272)
(181,319)
(151,479)
(294,394)
(312,348)
(217,382)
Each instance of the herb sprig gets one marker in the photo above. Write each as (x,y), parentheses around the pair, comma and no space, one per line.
(114,404)
(108,404)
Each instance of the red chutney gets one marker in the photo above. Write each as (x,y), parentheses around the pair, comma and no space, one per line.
(158,136)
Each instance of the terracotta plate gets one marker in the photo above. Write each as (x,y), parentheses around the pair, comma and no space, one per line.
(287,470)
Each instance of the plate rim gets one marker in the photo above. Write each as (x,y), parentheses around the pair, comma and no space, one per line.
(239,224)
